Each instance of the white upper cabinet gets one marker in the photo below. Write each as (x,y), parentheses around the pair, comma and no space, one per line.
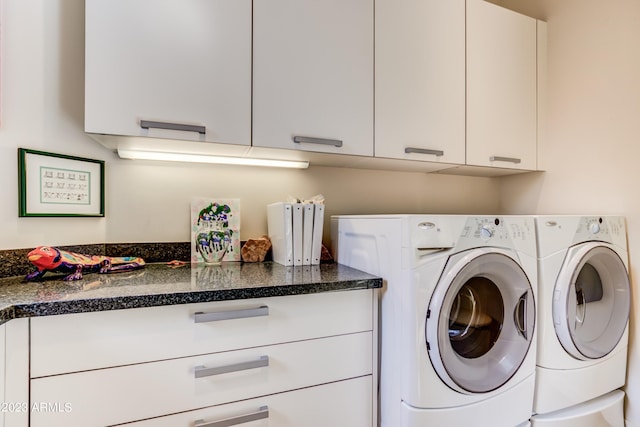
(420,80)
(169,69)
(501,87)
(457,82)
(313,75)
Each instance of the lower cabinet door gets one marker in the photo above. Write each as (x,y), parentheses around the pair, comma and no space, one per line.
(123,394)
(341,404)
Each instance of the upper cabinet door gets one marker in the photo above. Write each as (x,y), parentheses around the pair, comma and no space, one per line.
(501,87)
(420,80)
(169,69)
(313,75)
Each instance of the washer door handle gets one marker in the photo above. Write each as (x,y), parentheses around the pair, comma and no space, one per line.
(520,315)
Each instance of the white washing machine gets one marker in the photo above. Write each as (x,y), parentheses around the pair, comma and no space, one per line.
(583,312)
(457,338)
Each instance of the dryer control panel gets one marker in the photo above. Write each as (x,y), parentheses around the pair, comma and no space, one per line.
(606,229)
(557,233)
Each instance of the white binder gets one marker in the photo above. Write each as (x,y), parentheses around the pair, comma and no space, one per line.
(307,232)
(318,224)
(280,225)
(297,209)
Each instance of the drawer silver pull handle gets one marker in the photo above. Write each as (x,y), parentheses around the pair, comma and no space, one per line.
(323,141)
(505,159)
(147,124)
(215,316)
(203,371)
(409,150)
(260,414)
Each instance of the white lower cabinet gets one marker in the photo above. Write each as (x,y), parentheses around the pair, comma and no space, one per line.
(340,404)
(2,373)
(15,374)
(235,357)
(111,396)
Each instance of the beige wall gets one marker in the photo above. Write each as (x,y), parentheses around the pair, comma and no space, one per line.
(593,134)
(42,56)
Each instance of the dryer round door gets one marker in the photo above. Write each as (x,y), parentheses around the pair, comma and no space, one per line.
(591,301)
(480,322)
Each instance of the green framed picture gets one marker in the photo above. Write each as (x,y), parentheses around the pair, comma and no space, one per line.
(59,185)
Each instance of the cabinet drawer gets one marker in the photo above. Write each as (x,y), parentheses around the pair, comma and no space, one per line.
(341,404)
(78,342)
(147,390)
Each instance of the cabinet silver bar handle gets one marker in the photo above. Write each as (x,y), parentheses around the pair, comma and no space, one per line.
(409,150)
(504,159)
(214,316)
(260,414)
(147,124)
(311,140)
(203,371)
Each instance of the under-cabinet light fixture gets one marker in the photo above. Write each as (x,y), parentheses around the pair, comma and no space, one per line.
(206,158)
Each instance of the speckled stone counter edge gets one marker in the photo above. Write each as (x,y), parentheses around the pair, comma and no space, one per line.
(157,288)
(141,301)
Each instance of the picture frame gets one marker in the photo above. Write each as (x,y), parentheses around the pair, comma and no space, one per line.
(59,185)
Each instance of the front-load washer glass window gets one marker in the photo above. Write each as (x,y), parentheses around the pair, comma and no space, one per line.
(591,301)
(480,321)
(476,317)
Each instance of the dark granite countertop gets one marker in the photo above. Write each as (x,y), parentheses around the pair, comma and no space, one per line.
(160,284)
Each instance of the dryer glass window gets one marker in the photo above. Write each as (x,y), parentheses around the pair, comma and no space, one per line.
(595,306)
(476,317)
(588,285)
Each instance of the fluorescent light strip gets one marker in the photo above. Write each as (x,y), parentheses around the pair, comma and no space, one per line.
(205,158)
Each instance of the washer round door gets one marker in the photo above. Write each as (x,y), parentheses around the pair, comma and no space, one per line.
(480,322)
(591,301)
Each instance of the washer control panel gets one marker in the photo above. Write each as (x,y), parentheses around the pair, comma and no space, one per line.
(485,229)
(509,232)
(486,232)
(432,232)
(496,227)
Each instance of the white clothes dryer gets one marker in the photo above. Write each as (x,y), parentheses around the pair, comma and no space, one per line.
(583,309)
(457,318)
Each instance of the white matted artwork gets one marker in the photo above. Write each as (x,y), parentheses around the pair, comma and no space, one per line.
(215,230)
(53,184)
